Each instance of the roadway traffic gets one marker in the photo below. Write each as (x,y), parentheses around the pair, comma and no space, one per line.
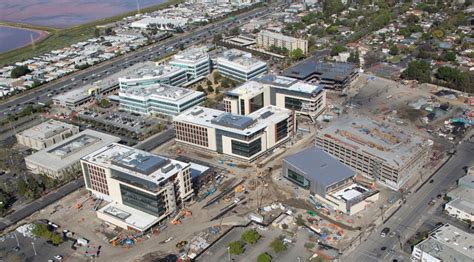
(406,221)
(43,94)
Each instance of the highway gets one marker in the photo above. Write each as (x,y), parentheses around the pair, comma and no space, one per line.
(44,93)
(411,215)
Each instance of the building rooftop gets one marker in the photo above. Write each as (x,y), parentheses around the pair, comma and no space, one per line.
(243,125)
(333,71)
(162,92)
(279,36)
(136,167)
(350,192)
(240,59)
(70,150)
(449,243)
(149,70)
(319,165)
(463,204)
(46,129)
(258,84)
(133,217)
(387,142)
(191,55)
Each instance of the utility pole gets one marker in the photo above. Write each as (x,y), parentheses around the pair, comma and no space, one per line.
(16,238)
(34,249)
(228,252)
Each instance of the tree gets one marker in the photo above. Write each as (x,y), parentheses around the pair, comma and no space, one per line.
(200,88)
(264,257)
(19,71)
(250,237)
(337,49)
(394,50)
(299,220)
(372,58)
(5,199)
(22,187)
(309,245)
(216,75)
(104,103)
(210,89)
(236,248)
(277,245)
(296,54)
(438,33)
(331,7)
(217,37)
(234,31)
(96,32)
(418,70)
(450,56)
(354,58)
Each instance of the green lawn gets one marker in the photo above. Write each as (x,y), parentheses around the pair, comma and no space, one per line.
(59,38)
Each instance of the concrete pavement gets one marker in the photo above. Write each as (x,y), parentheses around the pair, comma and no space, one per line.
(411,215)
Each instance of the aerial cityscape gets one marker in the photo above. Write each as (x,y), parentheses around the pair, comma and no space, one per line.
(237,130)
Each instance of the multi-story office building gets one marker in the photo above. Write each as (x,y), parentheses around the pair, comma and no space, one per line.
(328,180)
(445,243)
(142,188)
(195,61)
(461,205)
(266,39)
(242,137)
(303,98)
(375,149)
(335,76)
(159,99)
(150,73)
(240,65)
(63,157)
(46,134)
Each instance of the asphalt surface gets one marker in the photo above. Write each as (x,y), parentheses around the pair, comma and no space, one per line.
(156,140)
(406,221)
(43,94)
(40,203)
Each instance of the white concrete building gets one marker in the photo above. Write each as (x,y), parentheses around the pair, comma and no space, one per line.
(303,98)
(142,188)
(150,73)
(195,61)
(46,134)
(243,137)
(63,158)
(445,243)
(159,99)
(266,39)
(161,23)
(240,65)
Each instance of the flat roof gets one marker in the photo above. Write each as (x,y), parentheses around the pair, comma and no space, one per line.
(240,59)
(463,204)
(243,125)
(280,36)
(47,129)
(449,243)
(149,70)
(70,150)
(133,217)
(378,138)
(335,71)
(320,166)
(350,192)
(162,92)
(138,167)
(256,85)
(191,55)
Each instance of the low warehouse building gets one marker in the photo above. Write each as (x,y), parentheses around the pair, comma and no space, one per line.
(330,181)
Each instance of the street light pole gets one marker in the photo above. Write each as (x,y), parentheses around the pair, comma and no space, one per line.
(228,252)
(16,238)
(34,249)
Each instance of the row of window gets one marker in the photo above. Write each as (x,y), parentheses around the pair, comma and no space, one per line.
(192,134)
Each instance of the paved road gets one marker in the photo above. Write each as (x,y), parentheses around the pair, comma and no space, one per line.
(156,140)
(81,78)
(40,203)
(412,214)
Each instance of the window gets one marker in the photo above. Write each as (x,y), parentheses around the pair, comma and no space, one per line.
(154,205)
(281,130)
(293,103)
(246,150)
(256,103)
(242,107)
(298,179)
